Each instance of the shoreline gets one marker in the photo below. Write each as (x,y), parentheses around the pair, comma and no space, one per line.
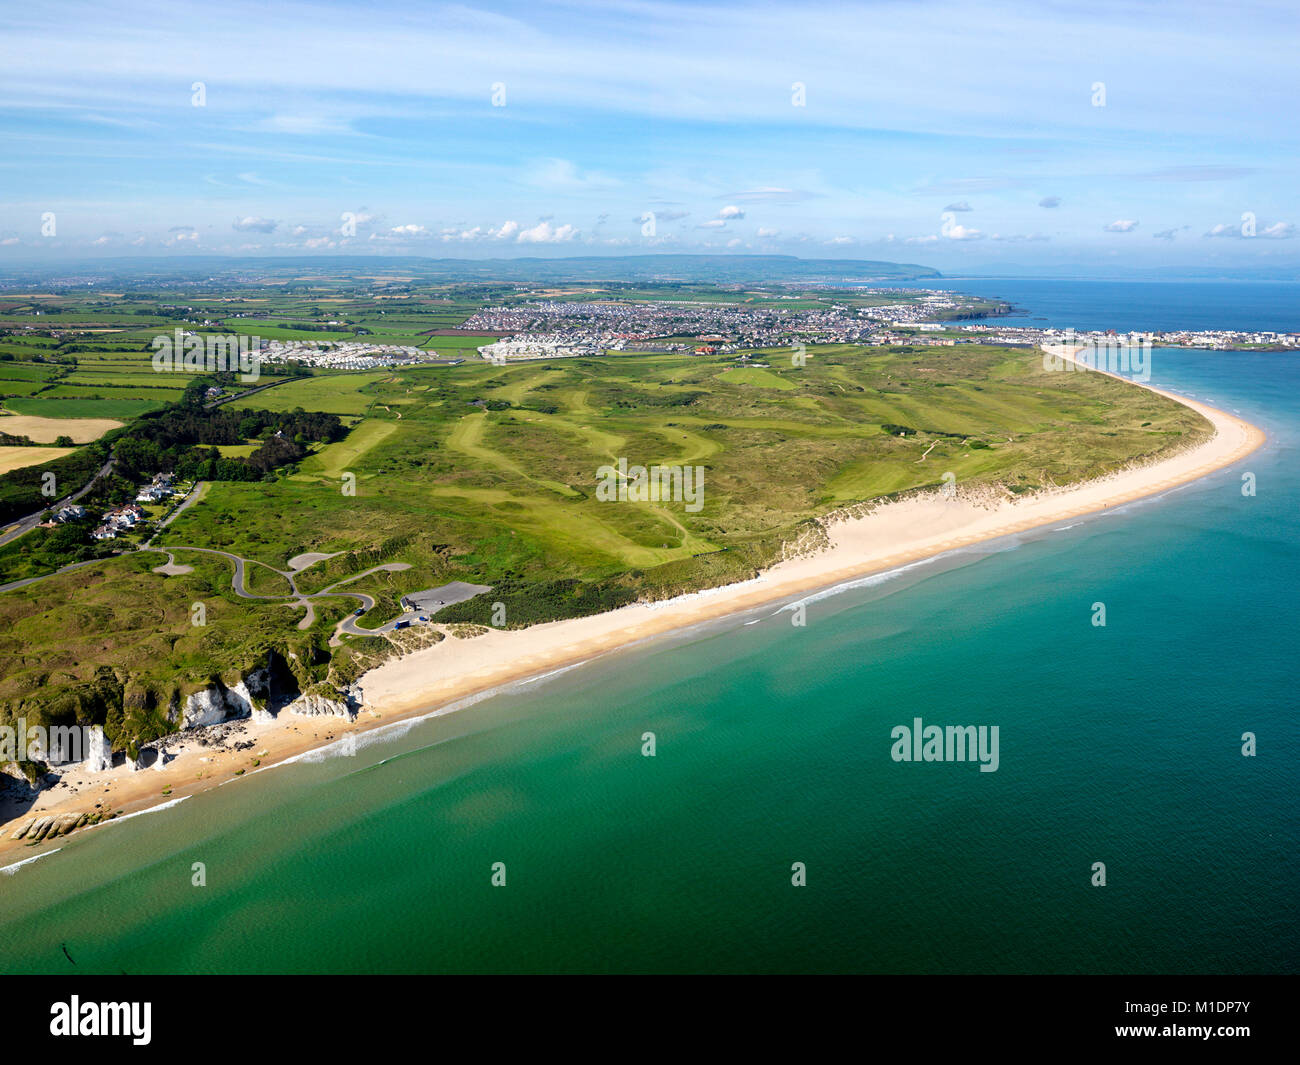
(458,672)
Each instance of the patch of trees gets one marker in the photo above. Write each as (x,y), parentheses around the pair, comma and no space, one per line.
(184,440)
(48,549)
(207,464)
(20,490)
(533,602)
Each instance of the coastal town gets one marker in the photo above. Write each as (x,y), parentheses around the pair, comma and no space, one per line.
(553,330)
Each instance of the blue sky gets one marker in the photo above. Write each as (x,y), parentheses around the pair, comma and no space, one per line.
(970,137)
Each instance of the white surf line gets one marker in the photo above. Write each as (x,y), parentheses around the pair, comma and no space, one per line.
(10,870)
(350,743)
(138,813)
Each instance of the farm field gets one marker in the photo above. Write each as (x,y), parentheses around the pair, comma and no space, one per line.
(17,458)
(46,430)
(77,408)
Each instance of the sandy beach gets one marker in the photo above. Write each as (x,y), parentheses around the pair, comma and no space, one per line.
(889,536)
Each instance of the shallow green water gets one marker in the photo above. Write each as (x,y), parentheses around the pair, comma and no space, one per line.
(1119,744)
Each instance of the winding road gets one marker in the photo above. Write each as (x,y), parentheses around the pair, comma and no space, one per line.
(239,585)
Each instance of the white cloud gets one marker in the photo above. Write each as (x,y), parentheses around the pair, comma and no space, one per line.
(712,223)
(731,211)
(768,232)
(963,233)
(1276,231)
(545,233)
(253,224)
(360,218)
(408,230)
(962,206)
(1122,225)
(451,233)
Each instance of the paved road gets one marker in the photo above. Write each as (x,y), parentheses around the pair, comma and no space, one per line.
(27,524)
(187,502)
(298,598)
(66,569)
(248,392)
(237,580)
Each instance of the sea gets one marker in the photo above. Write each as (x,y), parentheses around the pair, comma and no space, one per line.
(725,799)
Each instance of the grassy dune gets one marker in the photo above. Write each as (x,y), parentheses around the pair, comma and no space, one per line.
(488,474)
(511,491)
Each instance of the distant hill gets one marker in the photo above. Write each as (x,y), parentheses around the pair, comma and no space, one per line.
(715,268)
(722,269)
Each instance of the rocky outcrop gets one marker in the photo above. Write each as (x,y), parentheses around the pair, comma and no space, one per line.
(320,706)
(64,824)
(39,828)
(22,778)
(99,751)
(217,702)
(35,829)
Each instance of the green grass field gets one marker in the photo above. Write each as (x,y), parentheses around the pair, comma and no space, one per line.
(120,409)
(512,491)
(333,460)
(335,394)
(756,376)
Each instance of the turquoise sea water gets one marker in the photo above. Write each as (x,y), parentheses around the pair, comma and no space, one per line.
(1119,744)
(1137,305)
